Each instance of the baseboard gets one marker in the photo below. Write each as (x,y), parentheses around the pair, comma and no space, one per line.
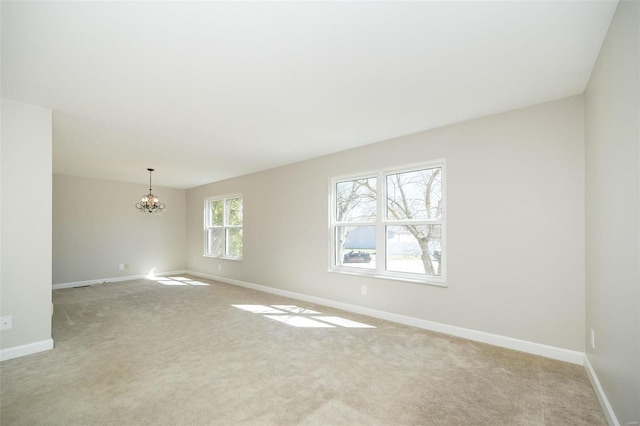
(602,397)
(112,280)
(28,349)
(547,351)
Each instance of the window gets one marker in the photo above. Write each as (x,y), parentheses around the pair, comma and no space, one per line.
(223,226)
(390,223)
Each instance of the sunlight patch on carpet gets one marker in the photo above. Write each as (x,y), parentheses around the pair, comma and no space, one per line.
(176,281)
(344,322)
(314,319)
(297,321)
(295,309)
(259,309)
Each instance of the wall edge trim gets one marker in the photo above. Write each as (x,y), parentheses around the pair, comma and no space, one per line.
(24,350)
(112,280)
(602,397)
(553,352)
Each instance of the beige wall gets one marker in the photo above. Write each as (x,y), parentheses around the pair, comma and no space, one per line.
(96,227)
(515,226)
(25,285)
(612,110)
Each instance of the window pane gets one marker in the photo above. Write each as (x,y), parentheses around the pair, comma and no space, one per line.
(356,200)
(215,241)
(234,209)
(414,248)
(234,245)
(356,246)
(415,195)
(216,213)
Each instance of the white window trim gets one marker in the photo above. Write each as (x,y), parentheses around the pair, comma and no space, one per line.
(205,217)
(380,223)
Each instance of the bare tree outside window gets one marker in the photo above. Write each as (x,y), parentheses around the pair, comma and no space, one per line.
(412,222)
(356,200)
(356,205)
(412,196)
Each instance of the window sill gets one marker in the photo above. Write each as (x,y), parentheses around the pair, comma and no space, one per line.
(426,281)
(235,259)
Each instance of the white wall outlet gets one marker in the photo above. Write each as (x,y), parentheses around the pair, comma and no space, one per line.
(593,339)
(121,266)
(6,322)
(363,290)
(219,267)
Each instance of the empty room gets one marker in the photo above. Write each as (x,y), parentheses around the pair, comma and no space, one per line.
(320,213)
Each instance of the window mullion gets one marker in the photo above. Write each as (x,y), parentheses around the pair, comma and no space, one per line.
(225,232)
(381,250)
(402,222)
(225,240)
(370,223)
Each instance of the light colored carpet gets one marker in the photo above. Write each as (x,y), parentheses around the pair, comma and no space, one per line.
(156,353)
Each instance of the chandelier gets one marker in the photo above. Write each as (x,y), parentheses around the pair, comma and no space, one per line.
(150,202)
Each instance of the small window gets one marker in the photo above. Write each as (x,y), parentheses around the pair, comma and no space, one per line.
(223,226)
(390,223)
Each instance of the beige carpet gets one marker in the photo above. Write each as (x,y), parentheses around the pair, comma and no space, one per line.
(159,353)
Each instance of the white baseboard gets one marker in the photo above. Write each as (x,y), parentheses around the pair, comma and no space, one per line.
(547,351)
(602,397)
(28,349)
(112,280)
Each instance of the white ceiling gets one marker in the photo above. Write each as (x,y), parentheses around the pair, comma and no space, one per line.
(204,91)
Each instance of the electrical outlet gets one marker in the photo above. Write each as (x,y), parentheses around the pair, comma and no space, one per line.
(219,267)
(6,322)
(363,290)
(593,339)
(121,266)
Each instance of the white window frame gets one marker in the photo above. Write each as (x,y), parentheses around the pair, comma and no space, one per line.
(382,222)
(225,226)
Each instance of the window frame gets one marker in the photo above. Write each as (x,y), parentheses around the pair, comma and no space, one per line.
(225,227)
(382,222)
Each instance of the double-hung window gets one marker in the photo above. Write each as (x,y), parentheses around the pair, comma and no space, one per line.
(390,223)
(223,226)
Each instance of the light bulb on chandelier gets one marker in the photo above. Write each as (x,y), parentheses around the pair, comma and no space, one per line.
(150,203)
